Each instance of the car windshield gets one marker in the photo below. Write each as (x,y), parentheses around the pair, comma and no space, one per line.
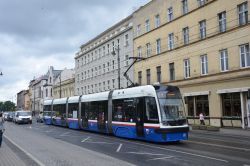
(24,113)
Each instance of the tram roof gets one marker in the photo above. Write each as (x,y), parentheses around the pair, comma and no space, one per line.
(47,102)
(95,97)
(73,99)
(139,91)
(60,101)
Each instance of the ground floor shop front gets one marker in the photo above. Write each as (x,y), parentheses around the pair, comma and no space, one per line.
(223,100)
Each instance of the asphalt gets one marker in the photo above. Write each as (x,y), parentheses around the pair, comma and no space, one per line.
(13,155)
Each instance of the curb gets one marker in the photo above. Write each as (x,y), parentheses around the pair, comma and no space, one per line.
(34,161)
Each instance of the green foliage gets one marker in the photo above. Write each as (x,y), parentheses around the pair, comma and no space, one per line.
(7,106)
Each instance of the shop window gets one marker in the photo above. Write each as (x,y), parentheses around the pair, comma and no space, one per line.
(198,104)
(231,104)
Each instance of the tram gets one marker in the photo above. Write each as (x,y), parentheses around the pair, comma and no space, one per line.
(150,113)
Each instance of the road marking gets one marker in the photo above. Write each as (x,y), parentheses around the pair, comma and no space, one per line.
(64,134)
(142,153)
(177,151)
(49,131)
(101,143)
(222,146)
(27,153)
(85,139)
(246,165)
(119,148)
(167,157)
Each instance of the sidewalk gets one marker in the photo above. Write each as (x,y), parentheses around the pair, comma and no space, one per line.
(10,155)
(227,131)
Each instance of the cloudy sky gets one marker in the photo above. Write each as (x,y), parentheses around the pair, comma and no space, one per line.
(36,34)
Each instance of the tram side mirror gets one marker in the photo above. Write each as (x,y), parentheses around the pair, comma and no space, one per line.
(248,94)
(186,100)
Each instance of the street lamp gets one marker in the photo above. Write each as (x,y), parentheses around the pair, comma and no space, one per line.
(60,85)
(118,61)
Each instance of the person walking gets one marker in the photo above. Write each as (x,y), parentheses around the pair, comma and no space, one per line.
(1,128)
(202,122)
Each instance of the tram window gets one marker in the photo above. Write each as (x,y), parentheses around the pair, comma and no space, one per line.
(124,110)
(151,110)
(47,108)
(60,110)
(73,110)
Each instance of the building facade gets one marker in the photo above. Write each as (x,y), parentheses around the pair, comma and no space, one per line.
(101,62)
(52,75)
(202,47)
(64,84)
(23,100)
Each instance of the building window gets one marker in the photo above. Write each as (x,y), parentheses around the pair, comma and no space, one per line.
(244,55)
(185,32)
(148,76)
(139,52)
(184,6)
(126,60)
(140,78)
(158,46)
(170,14)
(103,85)
(231,104)
(113,64)
(158,73)
(202,29)
(138,30)
(201,2)
(170,41)
(108,85)
(108,66)
(113,46)
(223,60)
(126,40)
(186,68)
(103,51)
(147,26)
(82,75)
(148,49)
(204,65)
(46,92)
(222,21)
(171,72)
(108,48)
(243,13)
(103,68)
(113,81)
(157,21)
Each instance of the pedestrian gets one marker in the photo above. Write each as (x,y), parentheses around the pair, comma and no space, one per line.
(202,122)
(1,128)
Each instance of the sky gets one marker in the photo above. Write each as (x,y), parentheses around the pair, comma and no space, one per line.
(36,34)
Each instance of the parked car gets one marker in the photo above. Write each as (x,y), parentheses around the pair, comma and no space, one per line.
(5,114)
(10,116)
(23,117)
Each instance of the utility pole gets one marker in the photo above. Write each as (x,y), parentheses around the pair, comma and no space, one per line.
(118,61)
(60,86)
(119,68)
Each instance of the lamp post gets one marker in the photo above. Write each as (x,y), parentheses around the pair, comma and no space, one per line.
(118,61)
(60,85)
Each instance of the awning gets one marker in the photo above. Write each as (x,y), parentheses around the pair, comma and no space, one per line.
(196,93)
(233,90)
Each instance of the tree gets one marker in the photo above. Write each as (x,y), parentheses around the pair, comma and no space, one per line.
(7,106)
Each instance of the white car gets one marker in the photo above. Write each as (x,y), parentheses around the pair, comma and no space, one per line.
(23,117)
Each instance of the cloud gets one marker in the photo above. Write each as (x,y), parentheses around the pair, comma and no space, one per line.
(37,34)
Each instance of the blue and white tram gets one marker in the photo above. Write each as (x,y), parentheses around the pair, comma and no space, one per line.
(150,113)
(47,107)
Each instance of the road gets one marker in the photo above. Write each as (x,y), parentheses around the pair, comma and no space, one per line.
(52,145)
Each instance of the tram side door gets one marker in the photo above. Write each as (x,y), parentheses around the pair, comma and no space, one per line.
(84,115)
(139,117)
(102,115)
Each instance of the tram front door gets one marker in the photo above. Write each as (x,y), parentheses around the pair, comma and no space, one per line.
(139,118)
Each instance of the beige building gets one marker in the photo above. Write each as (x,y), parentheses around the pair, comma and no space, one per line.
(64,84)
(202,47)
(23,100)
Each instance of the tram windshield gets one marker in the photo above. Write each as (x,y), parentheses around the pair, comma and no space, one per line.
(172,109)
